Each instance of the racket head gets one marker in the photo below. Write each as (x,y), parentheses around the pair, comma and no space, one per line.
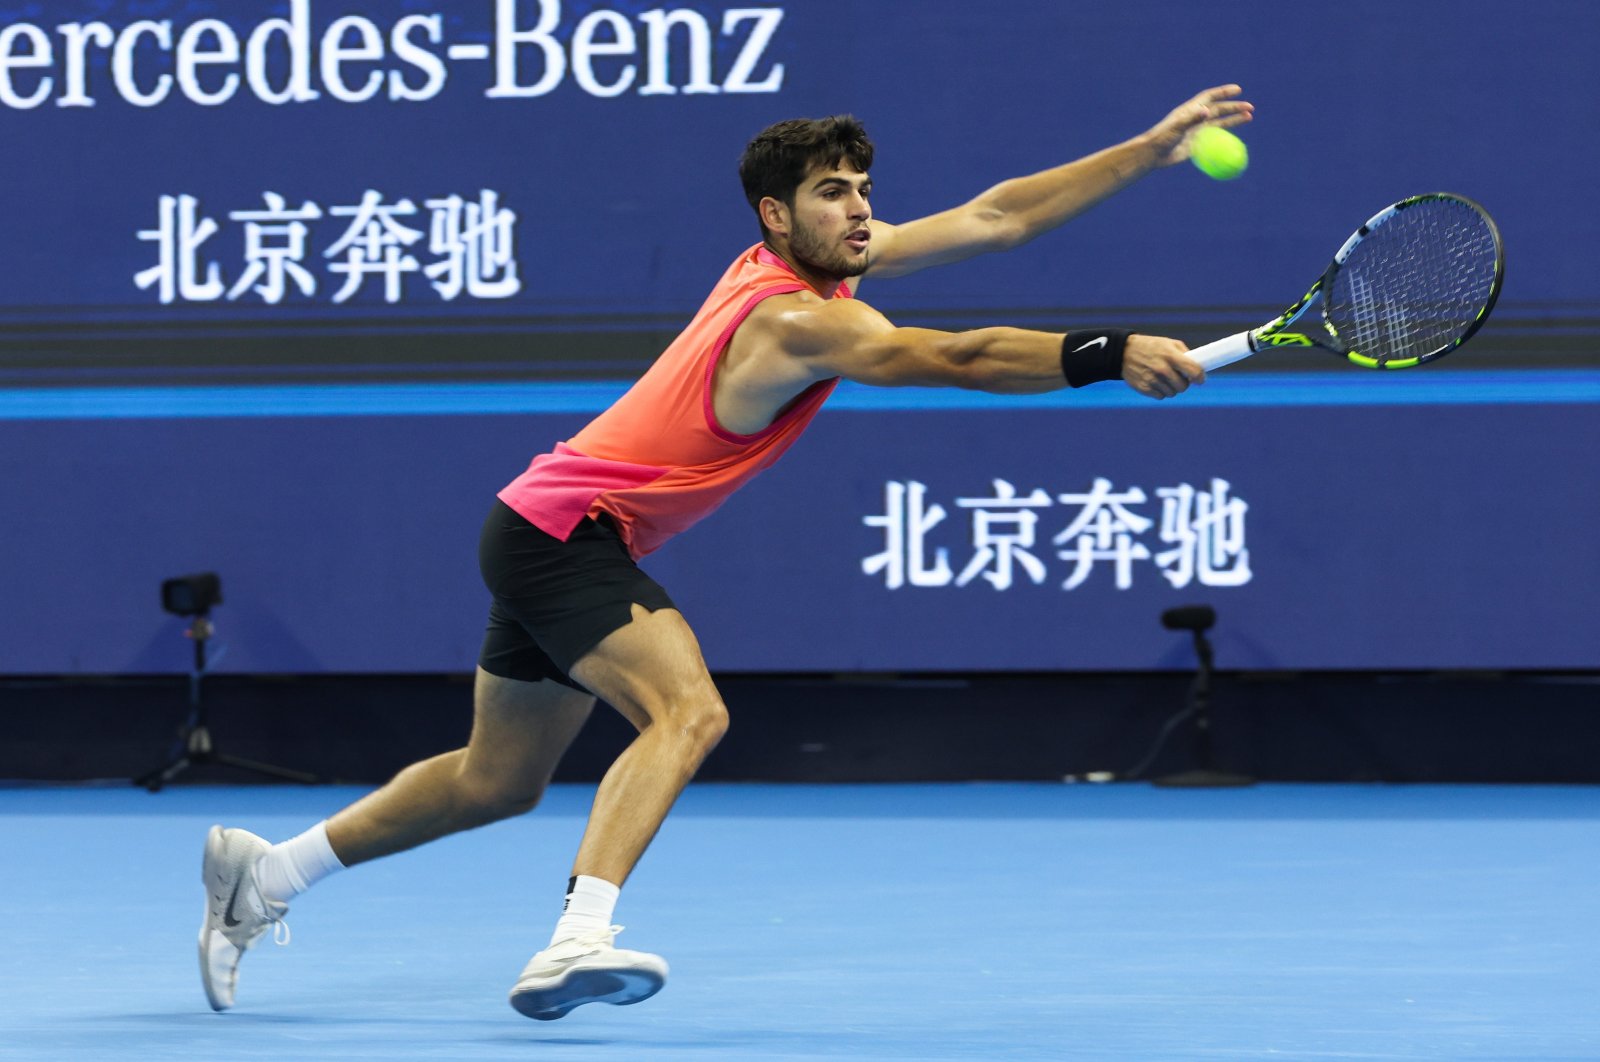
(1412,284)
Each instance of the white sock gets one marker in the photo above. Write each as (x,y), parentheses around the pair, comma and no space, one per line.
(287,869)
(590,903)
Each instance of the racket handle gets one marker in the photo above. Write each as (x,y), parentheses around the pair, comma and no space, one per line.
(1223,351)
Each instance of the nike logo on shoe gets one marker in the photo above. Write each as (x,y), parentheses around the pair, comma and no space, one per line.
(1100,342)
(227,916)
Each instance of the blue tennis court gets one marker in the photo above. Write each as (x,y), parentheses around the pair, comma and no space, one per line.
(1025,921)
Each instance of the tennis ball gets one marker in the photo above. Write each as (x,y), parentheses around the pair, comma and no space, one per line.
(1218,153)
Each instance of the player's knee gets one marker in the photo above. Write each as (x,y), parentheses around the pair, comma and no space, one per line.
(696,721)
(704,723)
(490,800)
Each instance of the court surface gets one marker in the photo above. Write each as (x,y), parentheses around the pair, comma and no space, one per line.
(846,922)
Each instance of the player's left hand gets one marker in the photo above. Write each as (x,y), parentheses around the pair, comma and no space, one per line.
(1169,138)
(1158,367)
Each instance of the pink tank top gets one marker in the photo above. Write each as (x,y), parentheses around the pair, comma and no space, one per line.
(658,461)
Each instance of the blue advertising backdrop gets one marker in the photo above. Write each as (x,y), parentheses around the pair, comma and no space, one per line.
(292,288)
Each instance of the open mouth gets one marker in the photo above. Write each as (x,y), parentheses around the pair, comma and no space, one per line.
(859,239)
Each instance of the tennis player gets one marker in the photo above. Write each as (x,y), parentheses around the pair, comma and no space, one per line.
(574,619)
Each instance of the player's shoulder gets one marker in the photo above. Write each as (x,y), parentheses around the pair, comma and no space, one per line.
(803,309)
(785,302)
(804,323)
(777,320)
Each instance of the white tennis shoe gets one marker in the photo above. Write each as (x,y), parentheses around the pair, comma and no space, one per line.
(236,913)
(586,969)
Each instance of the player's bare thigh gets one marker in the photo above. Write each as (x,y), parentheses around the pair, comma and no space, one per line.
(650,669)
(520,730)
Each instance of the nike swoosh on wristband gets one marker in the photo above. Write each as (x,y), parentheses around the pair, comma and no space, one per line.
(1100,342)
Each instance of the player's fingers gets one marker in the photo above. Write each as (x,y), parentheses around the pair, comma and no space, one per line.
(1227,115)
(1165,384)
(1149,385)
(1191,369)
(1220,92)
(1174,371)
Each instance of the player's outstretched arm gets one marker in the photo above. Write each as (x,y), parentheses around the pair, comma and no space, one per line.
(1015,211)
(845,337)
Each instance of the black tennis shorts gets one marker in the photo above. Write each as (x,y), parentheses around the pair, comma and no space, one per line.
(553,600)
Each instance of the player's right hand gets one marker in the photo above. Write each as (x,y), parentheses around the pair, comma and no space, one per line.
(1158,367)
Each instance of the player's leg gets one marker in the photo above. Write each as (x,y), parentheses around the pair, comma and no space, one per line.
(520,731)
(651,670)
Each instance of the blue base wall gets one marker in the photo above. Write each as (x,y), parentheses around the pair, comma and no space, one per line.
(1410,727)
(1411,535)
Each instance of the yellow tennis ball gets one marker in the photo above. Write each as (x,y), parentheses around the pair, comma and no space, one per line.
(1218,153)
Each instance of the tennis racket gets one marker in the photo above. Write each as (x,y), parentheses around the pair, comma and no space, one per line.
(1414,283)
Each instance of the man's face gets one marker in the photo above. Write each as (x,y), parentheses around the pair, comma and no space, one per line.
(830,233)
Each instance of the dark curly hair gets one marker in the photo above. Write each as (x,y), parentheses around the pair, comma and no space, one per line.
(780,156)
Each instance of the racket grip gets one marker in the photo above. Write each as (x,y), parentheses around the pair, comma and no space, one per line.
(1223,351)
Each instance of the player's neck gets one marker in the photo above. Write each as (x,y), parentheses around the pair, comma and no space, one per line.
(824,284)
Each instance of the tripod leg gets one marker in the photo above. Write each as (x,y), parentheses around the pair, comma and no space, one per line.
(159,777)
(271,771)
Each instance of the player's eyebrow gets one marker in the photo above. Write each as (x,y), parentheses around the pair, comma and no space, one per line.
(866,183)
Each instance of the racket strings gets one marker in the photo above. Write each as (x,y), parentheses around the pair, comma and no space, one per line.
(1417,282)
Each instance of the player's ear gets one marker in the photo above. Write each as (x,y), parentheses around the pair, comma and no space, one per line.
(774,215)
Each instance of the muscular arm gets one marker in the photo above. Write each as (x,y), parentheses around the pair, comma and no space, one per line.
(1015,211)
(820,338)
